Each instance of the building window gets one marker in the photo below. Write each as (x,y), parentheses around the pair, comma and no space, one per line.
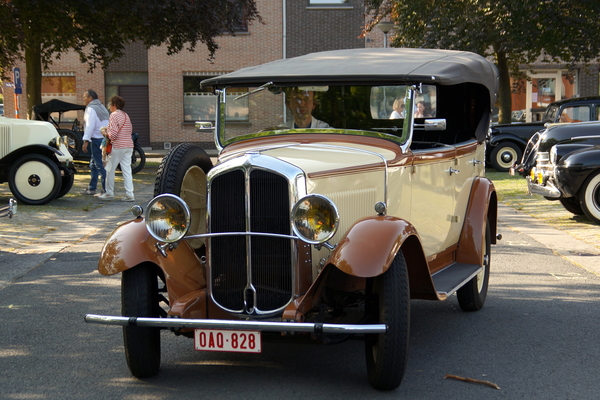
(240,24)
(200,104)
(328,4)
(61,86)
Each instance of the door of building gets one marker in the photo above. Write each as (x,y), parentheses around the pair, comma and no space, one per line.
(136,105)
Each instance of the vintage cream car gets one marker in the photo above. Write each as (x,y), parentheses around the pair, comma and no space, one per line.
(324,214)
(34,160)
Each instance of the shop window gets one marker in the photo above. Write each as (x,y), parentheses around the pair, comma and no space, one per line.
(531,97)
(200,104)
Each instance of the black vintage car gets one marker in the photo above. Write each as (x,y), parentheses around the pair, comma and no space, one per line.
(53,110)
(562,163)
(507,142)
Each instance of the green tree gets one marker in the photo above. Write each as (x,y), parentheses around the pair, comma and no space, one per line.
(39,31)
(513,32)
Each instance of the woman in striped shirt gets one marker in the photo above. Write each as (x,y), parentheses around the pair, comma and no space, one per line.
(119,132)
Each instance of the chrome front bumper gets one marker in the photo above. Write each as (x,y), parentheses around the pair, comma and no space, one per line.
(547,191)
(263,326)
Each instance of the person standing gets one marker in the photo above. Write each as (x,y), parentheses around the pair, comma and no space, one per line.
(95,117)
(119,132)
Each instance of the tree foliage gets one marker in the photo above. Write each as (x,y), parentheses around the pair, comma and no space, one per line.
(39,31)
(513,32)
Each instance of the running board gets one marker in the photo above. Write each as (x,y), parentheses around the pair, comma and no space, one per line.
(453,277)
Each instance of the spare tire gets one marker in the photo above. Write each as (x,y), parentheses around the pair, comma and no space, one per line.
(182,172)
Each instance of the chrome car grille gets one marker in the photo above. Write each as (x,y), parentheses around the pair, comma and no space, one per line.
(250,274)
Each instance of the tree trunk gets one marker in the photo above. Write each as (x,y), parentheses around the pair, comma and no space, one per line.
(33,64)
(504,91)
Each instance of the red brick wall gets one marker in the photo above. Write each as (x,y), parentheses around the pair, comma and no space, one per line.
(261,44)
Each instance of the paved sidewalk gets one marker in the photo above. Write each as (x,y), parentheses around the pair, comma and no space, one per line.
(35,234)
(577,251)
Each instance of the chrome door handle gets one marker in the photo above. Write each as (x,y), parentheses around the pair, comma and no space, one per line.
(453,171)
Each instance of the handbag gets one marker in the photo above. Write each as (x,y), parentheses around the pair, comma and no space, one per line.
(108,147)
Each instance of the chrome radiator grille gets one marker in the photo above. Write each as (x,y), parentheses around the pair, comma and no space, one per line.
(250,274)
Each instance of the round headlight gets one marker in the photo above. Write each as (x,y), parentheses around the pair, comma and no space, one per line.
(167,218)
(315,219)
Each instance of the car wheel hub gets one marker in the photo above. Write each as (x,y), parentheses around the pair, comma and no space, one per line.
(34,180)
(506,157)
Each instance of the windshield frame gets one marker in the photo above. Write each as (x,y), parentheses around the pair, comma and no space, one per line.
(404,125)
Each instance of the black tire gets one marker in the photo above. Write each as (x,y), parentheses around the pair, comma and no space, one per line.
(34,179)
(572,205)
(471,297)
(75,142)
(182,172)
(138,159)
(140,298)
(388,302)
(67,184)
(505,155)
(589,197)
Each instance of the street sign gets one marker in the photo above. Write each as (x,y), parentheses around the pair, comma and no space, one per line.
(18,84)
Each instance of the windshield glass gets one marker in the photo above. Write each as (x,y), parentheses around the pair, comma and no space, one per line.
(550,114)
(357,110)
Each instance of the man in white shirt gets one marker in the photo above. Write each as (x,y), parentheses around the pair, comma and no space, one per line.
(302,103)
(95,117)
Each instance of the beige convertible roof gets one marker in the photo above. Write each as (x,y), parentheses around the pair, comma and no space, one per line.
(376,65)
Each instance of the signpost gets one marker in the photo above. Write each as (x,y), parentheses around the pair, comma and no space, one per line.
(18,89)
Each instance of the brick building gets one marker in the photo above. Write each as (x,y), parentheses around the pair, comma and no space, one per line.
(162,92)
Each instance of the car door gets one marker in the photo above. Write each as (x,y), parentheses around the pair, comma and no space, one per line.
(432,201)
(470,164)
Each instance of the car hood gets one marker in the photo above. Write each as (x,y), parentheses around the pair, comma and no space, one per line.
(314,158)
(569,133)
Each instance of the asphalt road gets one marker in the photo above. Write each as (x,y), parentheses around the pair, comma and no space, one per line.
(536,337)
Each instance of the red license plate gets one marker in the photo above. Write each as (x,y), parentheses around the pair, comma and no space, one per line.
(224,340)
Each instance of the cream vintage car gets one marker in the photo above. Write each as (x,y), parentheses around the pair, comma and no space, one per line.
(324,214)
(34,160)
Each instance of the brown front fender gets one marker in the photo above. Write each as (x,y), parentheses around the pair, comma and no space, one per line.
(127,246)
(370,245)
(367,250)
(130,245)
